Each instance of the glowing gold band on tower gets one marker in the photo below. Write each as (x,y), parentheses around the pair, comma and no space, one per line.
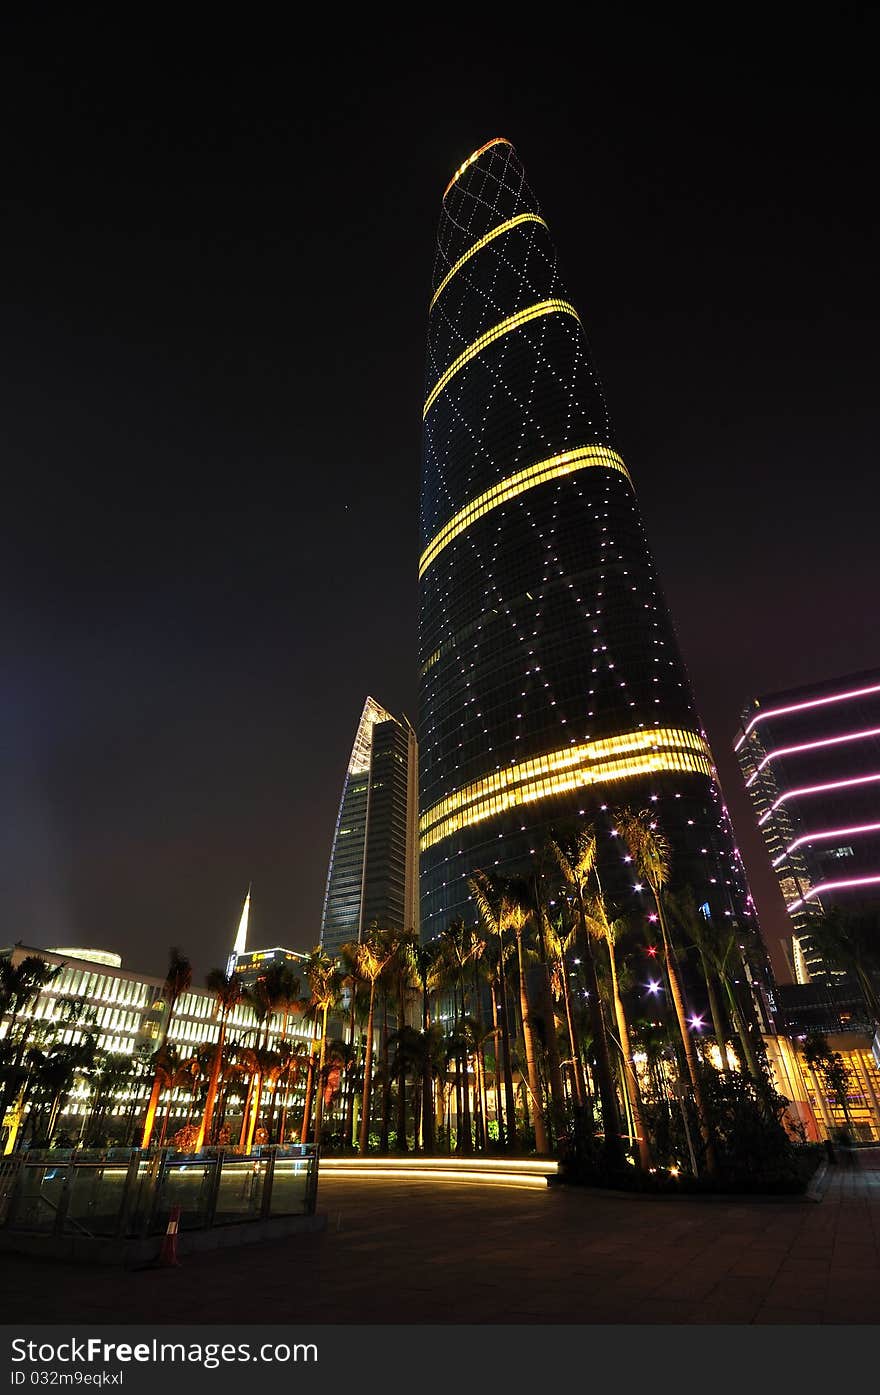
(496,140)
(478,246)
(580,458)
(522,317)
(574,767)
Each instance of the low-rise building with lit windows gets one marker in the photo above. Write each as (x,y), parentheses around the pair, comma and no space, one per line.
(125,1011)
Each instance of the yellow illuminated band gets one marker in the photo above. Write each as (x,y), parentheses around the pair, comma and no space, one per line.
(478,246)
(579,458)
(496,140)
(595,762)
(522,317)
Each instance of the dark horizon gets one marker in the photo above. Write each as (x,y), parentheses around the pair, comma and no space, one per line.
(218,262)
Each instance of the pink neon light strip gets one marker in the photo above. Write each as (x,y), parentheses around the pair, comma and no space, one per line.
(825,834)
(833,886)
(802,706)
(812,746)
(817,789)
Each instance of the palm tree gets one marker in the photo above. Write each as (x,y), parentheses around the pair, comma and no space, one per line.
(368,961)
(850,941)
(489,910)
(324,978)
(651,855)
(576,857)
(276,991)
(719,950)
(177,981)
(559,943)
(20,987)
(227,991)
(426,959)
(284,1074)
(545,996)
(701,932)
(608,931)
(835,1074)
(516,914)
(50,1078)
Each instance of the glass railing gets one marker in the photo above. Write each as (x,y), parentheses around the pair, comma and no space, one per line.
(131,1193)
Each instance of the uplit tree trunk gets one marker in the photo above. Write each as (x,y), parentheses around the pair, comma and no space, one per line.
(629,1071)
(604,1077)
(496,1057)
(686,1040)
(152,1107)
(310,1095)
(509,1101)
(386,1080)
(319,1099)
(541,1141)
(715,1010)
(364,1140)
(577,1062)
(427,1115)
(254,1114)
(208,1116)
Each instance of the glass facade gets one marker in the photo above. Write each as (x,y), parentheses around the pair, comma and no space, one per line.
(372,875)
(551,682)
(810,758)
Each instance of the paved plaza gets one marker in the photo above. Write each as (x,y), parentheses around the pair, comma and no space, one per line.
(416,1252)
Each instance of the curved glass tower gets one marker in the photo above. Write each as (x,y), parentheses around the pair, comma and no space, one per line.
(551,681)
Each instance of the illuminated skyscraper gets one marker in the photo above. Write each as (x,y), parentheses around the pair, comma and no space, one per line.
(811,762)
(373,874)
(551,678)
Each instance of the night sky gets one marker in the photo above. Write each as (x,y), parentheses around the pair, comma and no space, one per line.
(216,255)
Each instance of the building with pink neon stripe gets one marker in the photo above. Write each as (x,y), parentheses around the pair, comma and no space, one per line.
(810,758)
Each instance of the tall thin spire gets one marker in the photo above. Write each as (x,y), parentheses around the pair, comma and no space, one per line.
(240,945)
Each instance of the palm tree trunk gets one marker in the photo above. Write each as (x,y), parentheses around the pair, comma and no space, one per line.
(252,1116)
(577,1060)
(509,1101)
(246,1113)
(152,1106)
(715,1010)
(400,1146)
(368,1072)
(686,1040)
(283,1125)
(310,1094)
(629,1071)
(467,1126)
(541,1142)
(319,1100)
(496,1057)
(554,1067)
(427,1093)
(171,1094)
(604,1077)
(386,1079)
(207,1118)
(270,1116)
(741,1030)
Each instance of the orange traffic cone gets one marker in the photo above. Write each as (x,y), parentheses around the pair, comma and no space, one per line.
(168,1253)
